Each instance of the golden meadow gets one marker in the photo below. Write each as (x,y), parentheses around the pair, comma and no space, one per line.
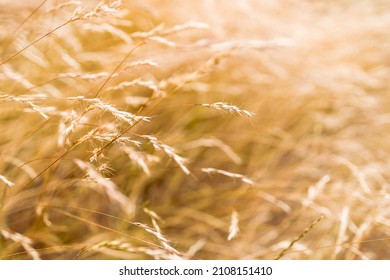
(194,129)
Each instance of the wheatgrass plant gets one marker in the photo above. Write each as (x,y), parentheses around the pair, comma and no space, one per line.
(194,129)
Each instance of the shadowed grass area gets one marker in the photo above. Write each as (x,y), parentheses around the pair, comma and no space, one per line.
(194,129)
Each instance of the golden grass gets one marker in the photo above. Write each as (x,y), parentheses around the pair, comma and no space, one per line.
(194,129)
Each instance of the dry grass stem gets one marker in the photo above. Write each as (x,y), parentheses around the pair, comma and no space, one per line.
(302,235)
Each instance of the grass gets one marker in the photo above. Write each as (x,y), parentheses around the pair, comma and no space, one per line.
(194,130)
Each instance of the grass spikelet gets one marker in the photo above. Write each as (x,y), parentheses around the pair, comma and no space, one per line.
(302,235)
(233,228)
(342,234)
(28,101)
(136,101)
(213,142)
(229,174)
(157,232)
(6,181)
(108,187)
(144,62)
(252,44)
(148,84)
(22,165)
(86,76)
(63,6)
(123,246)
(171,152)
(159,30)
(23,240)
(274,200)
(314,191)
(102,9)
(141,159)
(362,231)
(17,77)
(180,80)
(185,26)
(28,51)
(231,109)
(357,173)
(161,238)
(102,28)
(67,126)
(126,117)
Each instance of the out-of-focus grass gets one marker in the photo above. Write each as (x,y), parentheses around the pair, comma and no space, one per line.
(126,130)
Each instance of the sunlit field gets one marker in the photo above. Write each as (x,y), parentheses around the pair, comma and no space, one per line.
(210,129)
